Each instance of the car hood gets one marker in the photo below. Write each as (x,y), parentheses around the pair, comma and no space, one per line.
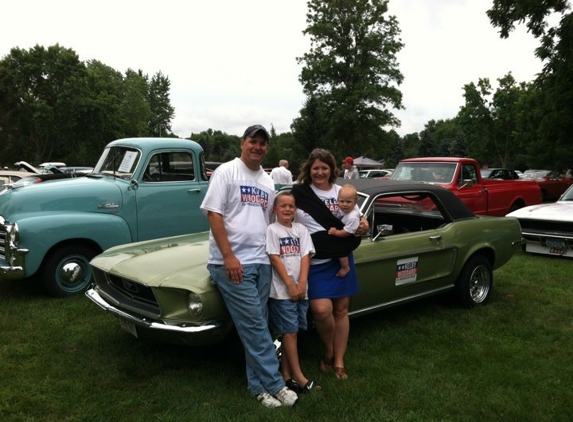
(557,211)
(144,262)
(71,195)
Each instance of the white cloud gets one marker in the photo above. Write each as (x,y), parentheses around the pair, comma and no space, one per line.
(233,63)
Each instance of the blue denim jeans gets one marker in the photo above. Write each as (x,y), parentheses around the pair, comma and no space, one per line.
(247,304)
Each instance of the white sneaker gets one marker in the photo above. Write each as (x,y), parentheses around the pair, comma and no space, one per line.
(267,400)
(286,396)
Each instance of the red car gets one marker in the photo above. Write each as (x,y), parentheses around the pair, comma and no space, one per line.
(551,183)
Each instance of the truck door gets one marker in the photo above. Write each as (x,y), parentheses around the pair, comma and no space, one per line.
(470,189)
(169,195)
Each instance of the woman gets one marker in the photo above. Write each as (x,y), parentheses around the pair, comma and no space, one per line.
(329,295)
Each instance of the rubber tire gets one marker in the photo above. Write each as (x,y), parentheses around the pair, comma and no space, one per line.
(475,284)
(57,259)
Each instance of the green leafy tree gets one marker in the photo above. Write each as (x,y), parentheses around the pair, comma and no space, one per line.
(351,73)
(38,91)
(552,111)
(162,112)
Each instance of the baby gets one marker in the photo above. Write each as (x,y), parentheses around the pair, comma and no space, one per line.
(347,198)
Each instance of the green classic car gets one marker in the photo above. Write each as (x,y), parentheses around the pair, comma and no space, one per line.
(423,241)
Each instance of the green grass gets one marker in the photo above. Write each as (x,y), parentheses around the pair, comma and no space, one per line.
(66,360)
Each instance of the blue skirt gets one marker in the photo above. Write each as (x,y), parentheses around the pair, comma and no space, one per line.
(324,284)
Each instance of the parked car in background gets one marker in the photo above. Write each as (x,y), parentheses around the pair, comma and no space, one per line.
(9,177)
(499,173)
(374,173)
(552,183)
(423,241)
(548,228)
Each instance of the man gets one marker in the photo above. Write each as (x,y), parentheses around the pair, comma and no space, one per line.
(281,174)
(238,204)
(350,170)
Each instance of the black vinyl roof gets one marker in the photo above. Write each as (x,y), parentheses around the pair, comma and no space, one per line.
(373,187)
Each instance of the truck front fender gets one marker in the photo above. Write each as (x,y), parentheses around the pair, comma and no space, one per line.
(41,233)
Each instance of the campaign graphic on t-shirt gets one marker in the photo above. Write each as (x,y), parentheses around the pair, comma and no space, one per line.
(253,196)
(331,204)
(290,246)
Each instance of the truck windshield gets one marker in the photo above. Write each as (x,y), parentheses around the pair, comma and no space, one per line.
(118,162)
(425,172)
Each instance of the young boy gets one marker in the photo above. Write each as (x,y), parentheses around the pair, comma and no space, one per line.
(290,247)
(347,198)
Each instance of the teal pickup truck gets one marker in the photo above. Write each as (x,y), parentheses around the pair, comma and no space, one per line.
(140,189)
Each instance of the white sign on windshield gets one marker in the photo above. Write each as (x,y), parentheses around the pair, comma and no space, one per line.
(127,162)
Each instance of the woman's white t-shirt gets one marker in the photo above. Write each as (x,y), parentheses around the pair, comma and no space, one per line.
(245,200)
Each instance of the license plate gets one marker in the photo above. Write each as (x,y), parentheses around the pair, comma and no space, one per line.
(128,326)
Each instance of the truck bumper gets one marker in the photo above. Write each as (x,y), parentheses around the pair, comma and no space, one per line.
(10,272)
(194,335)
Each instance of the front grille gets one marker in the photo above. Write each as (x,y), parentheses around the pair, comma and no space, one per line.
(559,228)
(129,293)
(3,237)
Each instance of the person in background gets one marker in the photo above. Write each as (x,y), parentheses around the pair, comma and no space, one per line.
(289,247)
(350,170)
(238,205)
(316,197)
(347,199)
(281,175)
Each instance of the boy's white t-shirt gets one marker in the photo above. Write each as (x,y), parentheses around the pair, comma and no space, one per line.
(291,244)
(245,200)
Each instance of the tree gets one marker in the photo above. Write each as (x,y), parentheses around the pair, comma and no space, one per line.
(554,85)
(160,106)
(351,73)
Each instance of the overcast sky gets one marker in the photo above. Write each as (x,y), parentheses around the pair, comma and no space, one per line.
(232,63)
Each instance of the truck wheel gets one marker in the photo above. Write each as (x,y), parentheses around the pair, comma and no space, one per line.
(475,283)
(66,271)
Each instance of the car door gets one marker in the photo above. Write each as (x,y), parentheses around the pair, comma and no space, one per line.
(413,256)
(473,194)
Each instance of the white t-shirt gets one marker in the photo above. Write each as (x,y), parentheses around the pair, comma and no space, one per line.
(291,244)
(245,200)
(330,199)
(351,221)
(281,175)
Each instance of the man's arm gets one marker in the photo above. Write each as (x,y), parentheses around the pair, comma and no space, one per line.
(232,264)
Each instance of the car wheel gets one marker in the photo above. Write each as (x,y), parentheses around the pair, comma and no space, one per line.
(66,271)
(475,283)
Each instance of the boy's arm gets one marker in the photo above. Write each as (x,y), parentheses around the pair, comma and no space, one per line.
(280,269)
(303,277)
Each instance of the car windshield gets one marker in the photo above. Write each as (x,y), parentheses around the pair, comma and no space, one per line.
(425,172)
(118,162)
(568,195)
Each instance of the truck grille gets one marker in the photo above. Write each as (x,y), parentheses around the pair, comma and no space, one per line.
(3,237)
(129,293)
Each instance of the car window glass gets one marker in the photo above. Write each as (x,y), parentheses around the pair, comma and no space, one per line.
(399,214)
(170,167)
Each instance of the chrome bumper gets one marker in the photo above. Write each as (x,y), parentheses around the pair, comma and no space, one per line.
(94,296)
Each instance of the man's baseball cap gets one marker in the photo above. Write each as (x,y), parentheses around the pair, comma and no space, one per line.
(348,160)
(252,130)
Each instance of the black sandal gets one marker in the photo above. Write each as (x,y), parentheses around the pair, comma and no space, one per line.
(293,385)
(310,385)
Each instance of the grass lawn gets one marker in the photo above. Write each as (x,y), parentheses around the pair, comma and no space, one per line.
(512,360)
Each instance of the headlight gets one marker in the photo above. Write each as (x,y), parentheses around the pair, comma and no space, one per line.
(194,304)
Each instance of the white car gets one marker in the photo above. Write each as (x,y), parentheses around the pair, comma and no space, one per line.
(374,173)
(548,228)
